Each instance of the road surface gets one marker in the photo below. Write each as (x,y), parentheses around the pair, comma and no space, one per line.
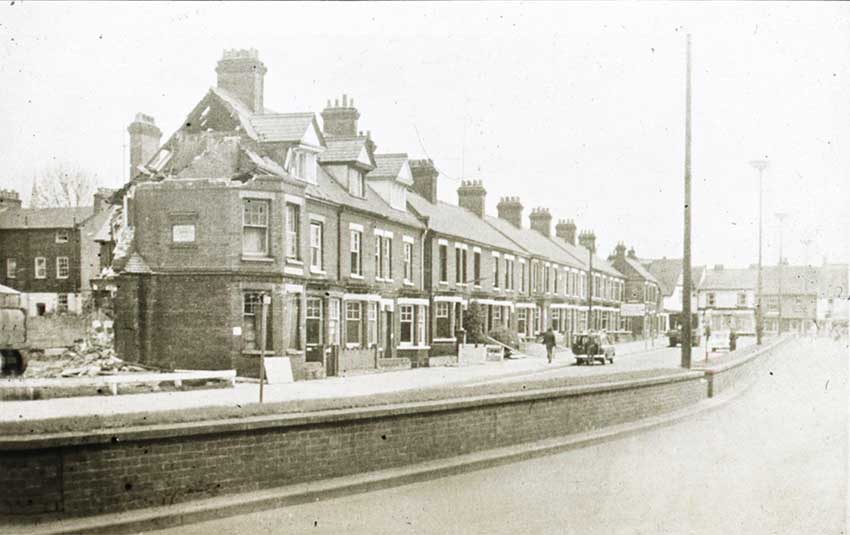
(772,461)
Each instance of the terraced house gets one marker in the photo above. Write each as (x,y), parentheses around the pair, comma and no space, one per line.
(363,267)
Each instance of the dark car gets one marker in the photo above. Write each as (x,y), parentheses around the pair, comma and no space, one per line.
(591,347)
(674,337)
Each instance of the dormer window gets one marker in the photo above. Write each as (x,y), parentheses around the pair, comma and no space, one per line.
(303,165)
(356,182)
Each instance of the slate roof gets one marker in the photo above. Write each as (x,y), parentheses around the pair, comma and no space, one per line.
(5,290)
(452,220)
(342,150)
(583,255)
(642,271)
(729,279)
(667,272)
(534,242)
(388,166)
(288,127)
(21,218)
(330,190)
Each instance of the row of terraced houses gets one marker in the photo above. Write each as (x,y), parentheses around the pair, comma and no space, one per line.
(353,249)
(361,265)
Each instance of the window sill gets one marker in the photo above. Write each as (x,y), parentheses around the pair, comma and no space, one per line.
(294,261)
(444,283)
(409,346)
(265,259)
(183,245)
(355,276)
(321,272)
(408,283)
(445,339)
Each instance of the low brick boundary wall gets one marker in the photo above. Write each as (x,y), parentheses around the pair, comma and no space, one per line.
(76,474)
(739,373)
(83,474)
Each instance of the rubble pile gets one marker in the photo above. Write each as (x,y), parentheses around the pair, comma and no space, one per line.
(93,355)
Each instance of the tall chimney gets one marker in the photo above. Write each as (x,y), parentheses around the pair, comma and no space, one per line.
(425,179)
(144,141)
(620,251)
(471,195)
(510,209)
(340,120)
(101,198)
(541,221)
(566,230)
(9,198)
(240,73)
(632,253)
(587,239)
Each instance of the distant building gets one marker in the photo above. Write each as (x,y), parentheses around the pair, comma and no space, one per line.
(727,299)
(669,273)
(642,303)
(49,254)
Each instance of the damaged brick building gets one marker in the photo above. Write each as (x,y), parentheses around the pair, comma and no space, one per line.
(360,260)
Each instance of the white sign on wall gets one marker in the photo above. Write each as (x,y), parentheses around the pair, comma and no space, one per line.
(183,233)
(632,309)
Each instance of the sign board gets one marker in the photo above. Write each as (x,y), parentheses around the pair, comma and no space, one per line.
(278,370)
(632,309)
(183,233)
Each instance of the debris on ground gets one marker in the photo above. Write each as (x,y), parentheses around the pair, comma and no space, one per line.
(90,356)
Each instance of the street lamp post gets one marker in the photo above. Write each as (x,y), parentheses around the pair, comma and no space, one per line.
(760,165)
(781,217)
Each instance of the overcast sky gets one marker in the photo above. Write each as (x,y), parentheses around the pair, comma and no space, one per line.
(576,107)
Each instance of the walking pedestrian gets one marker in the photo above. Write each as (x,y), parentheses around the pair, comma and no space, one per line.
(549,342)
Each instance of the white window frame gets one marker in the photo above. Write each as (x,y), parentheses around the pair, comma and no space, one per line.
(293,231)
(248,222)
(355,255)
(412,321)
(42,272)
(11,268)
(349,307)
(62,236)
(408,262)
(317,249)
(67,263)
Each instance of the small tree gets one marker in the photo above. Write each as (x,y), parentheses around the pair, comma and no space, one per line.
(473,322)
(62,186)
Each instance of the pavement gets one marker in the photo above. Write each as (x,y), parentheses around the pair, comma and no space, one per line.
(630,356)
(772,460)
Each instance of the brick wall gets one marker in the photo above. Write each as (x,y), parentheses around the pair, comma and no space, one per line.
(744,371)
(179,463)
(24,245)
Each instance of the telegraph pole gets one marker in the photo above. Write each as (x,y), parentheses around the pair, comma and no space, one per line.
(686,262)
(760,165)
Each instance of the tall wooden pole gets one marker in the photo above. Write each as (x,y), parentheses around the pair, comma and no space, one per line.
(686,262)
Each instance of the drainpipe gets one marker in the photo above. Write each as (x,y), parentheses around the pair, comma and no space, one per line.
(339,236)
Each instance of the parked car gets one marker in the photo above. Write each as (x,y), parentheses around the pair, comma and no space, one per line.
(591,347)
(674,337)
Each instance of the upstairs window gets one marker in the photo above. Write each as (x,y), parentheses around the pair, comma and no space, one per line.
(408,262)
(711,299)
(62,236)
(304,165)
(63,267)
(356,183)
(255,227)
(476,267)
(293,231)
(378,271)
(40,267)
(356,239)
(509,274)
(742,299)
(387,259)
(11,268)
(522,277)
(495,272)
(317,261)
(444,263)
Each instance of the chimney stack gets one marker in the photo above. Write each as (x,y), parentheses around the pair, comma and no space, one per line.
(566,230)
(425,179)
(541,221)
(471,195)
(510,209)
(240,73)
(144,141)
(587,239)
(10,199)
(620,251)
(102,198)
(340,120)
(632,253)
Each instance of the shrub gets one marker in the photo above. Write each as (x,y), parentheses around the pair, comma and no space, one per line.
(473,323)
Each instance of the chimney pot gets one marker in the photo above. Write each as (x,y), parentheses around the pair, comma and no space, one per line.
(425,177)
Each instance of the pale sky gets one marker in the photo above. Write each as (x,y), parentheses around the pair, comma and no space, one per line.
(576,107)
